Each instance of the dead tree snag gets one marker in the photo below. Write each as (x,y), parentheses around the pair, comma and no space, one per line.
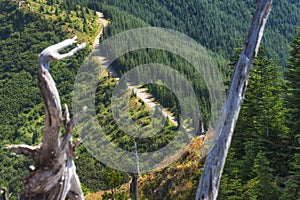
(209,182)
(53,177)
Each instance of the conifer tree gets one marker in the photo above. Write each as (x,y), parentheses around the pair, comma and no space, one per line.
(293,98)
(231,184)
(291,189)
(292,76)
(260,128)
(262,186)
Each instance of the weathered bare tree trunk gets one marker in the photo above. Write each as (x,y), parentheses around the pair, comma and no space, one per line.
(54,175)
(211,175)
(134,185)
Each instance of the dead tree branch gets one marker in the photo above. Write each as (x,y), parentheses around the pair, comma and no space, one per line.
(54,175)
(211,175)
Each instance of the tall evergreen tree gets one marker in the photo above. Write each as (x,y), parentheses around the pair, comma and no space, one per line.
(293,100)
(260,128)
(262,186)
(292,76)
(231,185)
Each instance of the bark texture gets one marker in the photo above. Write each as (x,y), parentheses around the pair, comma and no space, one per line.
(53,177)
(209,182)
(134,185)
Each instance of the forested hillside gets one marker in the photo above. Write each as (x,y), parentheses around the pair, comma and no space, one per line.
(263,162)
(263,131)
(121,21)
(262,153)
(25,30)
(218,25)
(21,109)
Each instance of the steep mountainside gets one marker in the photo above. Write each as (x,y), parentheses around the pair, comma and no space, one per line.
(218,25)
(178,181)
(260,144)
(25,30)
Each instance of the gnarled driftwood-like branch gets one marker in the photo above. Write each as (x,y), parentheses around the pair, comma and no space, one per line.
(215,160)
(54,175)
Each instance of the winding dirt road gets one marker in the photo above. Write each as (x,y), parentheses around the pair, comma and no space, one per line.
(141,93)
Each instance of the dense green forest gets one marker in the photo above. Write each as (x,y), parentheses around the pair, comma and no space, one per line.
(204,22)
(218,25)
(263,162)
(121,21)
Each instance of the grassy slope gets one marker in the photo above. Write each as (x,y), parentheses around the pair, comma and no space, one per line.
(30,123)
(178,181)
(29,31)
(71,21)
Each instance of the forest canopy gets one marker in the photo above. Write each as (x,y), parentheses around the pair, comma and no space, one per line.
(263,162)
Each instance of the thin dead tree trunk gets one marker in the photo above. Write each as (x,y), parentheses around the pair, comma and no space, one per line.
(134,189)
(54,175)
(209,182)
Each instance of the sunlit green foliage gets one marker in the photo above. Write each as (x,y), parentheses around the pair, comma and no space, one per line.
(24,33)
(259,150)
(218,25)
(264,159)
